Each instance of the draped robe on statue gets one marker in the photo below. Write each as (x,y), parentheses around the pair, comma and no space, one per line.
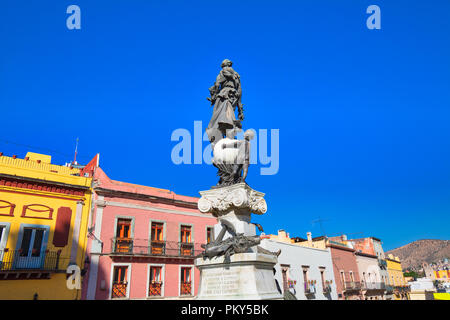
(226,94)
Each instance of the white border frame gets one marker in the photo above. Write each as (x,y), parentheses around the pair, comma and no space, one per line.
(150,228)
(180,224)
(5,234)
(163,279)
(116,220)
(4,239)
(192,280)
(206,233)
(117,264)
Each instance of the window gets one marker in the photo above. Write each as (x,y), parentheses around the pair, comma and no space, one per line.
(186,247)
(322,278)
(124,242)
(157,246)
(155,284)
(4,231)
(307,284)
(209,234)
(31,248)
(186,234)
(352,279)
(157,231)
(185,285)
(284,275)
(123,228)
(120,283)
(342,277)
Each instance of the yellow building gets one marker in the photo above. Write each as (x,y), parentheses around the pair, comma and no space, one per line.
(282,236)
(44,212)
(442,275)
(396,278)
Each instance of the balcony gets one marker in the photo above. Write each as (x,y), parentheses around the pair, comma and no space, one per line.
(144,247)
(119,290)
(401,288)
(154,289)
(186,288)
(352,286)
(389,289)
(382,263)
(310,287)
(16,264)
(373,285)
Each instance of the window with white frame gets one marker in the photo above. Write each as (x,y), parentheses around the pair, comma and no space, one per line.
(155,286)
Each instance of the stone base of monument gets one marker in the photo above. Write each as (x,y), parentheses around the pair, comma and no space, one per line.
(248,276)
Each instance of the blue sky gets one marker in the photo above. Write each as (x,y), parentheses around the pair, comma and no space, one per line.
(363,114)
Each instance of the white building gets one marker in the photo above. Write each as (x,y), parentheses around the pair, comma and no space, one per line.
(304,271)
(422,289)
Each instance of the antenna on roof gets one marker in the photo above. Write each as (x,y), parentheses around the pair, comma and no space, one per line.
(76,150)
(322,230)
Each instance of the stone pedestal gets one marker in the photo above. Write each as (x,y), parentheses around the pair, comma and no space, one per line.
(235,204)
(248,275)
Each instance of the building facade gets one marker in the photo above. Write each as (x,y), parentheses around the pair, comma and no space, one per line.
(422,289)
(345,269)
(396,278)
(304,271)
(372,286)
(373,246)
(348,282)
(44,211)
(142,242)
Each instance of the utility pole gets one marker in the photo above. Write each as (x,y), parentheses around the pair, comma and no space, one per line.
(76,150)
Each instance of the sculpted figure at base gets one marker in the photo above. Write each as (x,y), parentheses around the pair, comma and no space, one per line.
(236,244)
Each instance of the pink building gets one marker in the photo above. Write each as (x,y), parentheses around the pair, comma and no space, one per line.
(348,283)
(142,242)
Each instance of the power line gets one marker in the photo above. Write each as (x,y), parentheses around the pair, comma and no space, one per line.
(38,148)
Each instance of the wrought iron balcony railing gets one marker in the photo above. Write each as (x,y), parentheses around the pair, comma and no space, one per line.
(326,288)
(128,246)
(402,288)
(186,288)
(18,260)
(119,290)
(154,288)
(310,287)
(382,263)
(352,285)
(373,285)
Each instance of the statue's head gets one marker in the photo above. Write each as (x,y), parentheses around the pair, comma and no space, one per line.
(226,63)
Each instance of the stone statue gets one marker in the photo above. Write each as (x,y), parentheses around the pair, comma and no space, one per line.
(231,156)
(226,97)
(236,251)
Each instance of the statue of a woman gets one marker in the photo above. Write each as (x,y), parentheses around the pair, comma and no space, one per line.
(225,96)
